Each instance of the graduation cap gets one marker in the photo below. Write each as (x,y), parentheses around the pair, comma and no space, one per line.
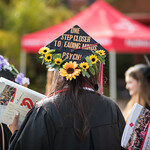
(73,53)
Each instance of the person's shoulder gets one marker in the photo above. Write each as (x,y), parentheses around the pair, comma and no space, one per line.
(111,104)
(46,103)
(107,109)
(108,101)
(50,107)
(102,99)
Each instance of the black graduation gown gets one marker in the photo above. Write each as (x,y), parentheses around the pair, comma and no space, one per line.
(147,106)
(46,128)
(7,135)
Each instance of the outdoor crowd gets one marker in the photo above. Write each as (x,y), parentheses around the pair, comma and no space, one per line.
(74,115)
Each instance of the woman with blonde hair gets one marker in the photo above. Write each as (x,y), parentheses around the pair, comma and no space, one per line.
(138,83)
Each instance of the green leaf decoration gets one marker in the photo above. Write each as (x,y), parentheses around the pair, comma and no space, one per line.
(52,51)
(87,74)
(43,61)
(104,56)
(62,61)
(56,56)
(92,70)
(13,68)
(41,57)
(100,58)
(93,52)
(14,73)
(95,67)
(47,66)
(52,64)
(88,60)
(47,63)
(83,73)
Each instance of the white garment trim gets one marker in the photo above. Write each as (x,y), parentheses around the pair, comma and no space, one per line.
(87,88)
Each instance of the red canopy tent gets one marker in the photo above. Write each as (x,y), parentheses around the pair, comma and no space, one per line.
(106,25)
(102,22)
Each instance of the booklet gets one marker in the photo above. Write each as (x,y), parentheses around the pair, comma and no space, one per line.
(16,98)
(136,134)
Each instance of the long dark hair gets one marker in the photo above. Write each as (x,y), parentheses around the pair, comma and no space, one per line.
(74,93)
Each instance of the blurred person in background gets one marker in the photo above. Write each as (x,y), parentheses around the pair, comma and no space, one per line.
(138,83)
(9,72)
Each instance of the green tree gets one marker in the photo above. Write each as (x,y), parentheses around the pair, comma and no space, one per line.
(9,39)
(20,17)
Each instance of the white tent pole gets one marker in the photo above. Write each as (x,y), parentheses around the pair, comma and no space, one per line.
(23,62)
(112,75)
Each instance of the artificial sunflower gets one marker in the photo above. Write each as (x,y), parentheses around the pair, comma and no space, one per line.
(70,70)
(84,65)
(58,61)
(94,59)
(48,57)
(44,50)
(101,52)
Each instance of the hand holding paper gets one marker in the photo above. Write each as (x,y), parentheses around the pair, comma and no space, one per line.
(14,126)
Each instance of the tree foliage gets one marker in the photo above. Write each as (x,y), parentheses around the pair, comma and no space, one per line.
(31,15)
(19,17)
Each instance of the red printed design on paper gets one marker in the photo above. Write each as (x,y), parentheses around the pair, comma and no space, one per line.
(27,102)
(131,124)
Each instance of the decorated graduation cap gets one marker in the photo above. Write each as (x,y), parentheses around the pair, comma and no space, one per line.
(9,72)
(73,53)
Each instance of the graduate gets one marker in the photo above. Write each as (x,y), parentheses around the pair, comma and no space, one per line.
(74,116)
(9,72)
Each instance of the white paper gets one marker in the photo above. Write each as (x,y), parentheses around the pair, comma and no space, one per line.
(13,84)
(2,109)
(15,97)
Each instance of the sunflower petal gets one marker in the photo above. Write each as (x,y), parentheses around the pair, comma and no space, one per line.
(63,72)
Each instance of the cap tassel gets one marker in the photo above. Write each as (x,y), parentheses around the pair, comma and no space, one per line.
(100,80)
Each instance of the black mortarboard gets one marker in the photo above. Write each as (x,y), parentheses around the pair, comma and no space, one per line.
(74,48)
(75,45)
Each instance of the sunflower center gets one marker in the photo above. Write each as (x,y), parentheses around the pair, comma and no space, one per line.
(48,57)
(93,59)
(58,62)
(84,66)
(45,51)
(70,70)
